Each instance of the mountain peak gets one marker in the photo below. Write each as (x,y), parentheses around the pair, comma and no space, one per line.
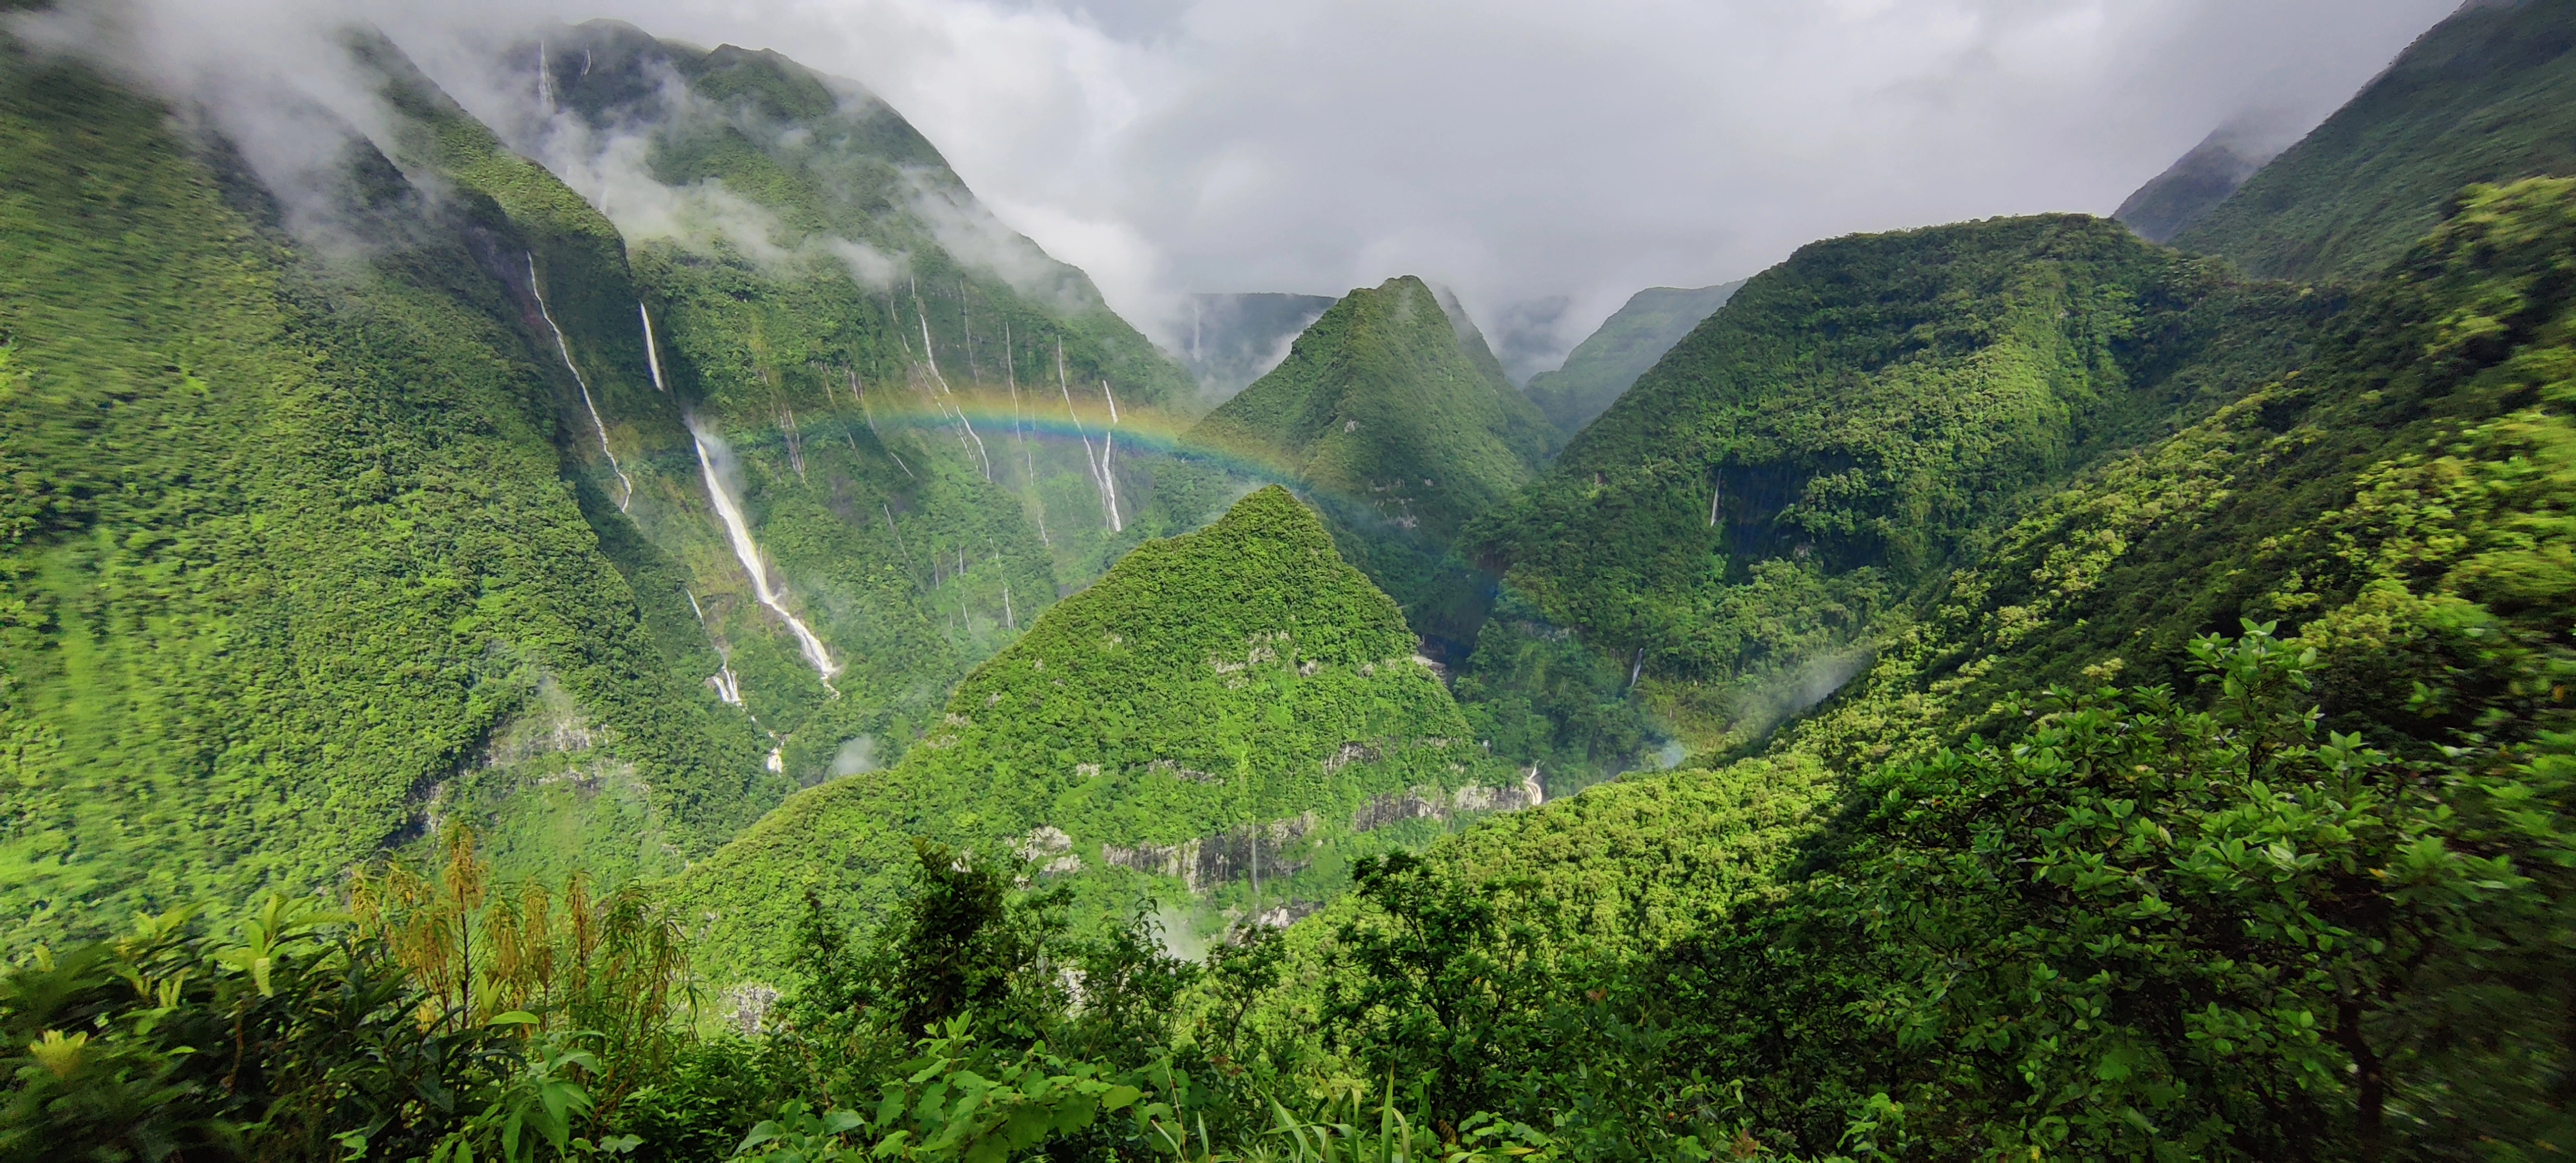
(1238,686)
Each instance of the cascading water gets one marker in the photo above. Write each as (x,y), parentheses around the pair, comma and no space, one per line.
(747,551)
(652,353)
(726,684)
(1090,457)
(983,459)
(566,349)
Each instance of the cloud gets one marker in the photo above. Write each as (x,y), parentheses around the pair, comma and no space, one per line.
(1517,150)
(273,78)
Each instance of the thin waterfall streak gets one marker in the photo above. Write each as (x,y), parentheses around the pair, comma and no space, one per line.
(566,349)
(795,442)
(1010,621)
(1019,427)
(738,532)
(981,456)
(726,684)
(1090,457)
(908,566)
(1020,433)
(1109,482)
(1116,523)
(652,353)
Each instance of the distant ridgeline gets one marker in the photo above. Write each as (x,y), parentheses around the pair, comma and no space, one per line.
(2191,187)
(1849,426)
(1603,366)
(2483,97)
(1222,723)
(339,513)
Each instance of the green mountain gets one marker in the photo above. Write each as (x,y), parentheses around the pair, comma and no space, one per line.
(1850,426)
(2191,187)
(832,488)
(2129,699)
(1394,413)
(1223,722)
(422,495)
(1886,903)
(2483,97)
(291,550)
(1621,349)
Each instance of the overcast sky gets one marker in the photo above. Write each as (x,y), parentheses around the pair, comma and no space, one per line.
(1524,153)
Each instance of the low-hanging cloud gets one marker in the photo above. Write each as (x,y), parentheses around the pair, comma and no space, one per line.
(1516,150)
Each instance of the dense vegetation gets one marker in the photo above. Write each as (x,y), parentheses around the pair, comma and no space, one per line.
(1851,425)
(286,542)
(1218,721)
(2480,98)
(415,525)
(1397,417)
(2295,895)
(2201,786)
(1610,359)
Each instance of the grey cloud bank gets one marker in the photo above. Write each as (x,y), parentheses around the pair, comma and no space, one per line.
(1544,159)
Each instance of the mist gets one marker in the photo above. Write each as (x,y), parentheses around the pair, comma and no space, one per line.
(1545,160)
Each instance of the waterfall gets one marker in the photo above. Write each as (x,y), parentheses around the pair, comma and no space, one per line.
(977,452)
(1090,456)
(726,684)
(652,354)
(1108,481)
(1020,432)
(747,551)
(584,385)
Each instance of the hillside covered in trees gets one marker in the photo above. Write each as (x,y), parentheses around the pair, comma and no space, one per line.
(1396,417)
(1223,723)
(606,546)
(2117,693)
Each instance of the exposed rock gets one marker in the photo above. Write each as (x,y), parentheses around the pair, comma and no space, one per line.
(1431,803)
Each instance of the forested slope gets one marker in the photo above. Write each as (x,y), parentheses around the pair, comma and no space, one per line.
(2191,187)
(1398,419)
(287,544)
(916,412)
(1887,904)
(2483,97)
(1849,426)
(1223,721)
(485,519)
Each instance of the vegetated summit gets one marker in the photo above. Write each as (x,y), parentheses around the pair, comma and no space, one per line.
(1396,416)
(602,547)
(2125,698)
(1224,721)
(1845,429)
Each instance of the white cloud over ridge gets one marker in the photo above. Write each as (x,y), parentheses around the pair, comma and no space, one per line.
(1517,150)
